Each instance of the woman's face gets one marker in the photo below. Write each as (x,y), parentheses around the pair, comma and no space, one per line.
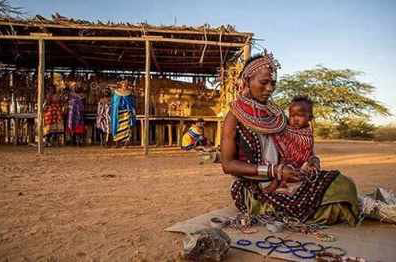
(261,85)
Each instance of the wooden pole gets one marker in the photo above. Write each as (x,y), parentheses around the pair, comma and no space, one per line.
(147,99)
(142,132)
(247,49)
(40,98)
(170,135)
(179,133)
(218,133)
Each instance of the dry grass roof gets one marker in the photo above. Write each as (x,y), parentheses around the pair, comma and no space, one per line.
(181,57)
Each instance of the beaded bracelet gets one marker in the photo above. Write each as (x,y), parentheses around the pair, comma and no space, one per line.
(276,243)
(244,242)
(317,247)
(297,252)
(283,249)
(263,244)
(291,243)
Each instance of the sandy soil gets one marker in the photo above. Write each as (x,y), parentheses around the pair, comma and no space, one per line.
(94,204)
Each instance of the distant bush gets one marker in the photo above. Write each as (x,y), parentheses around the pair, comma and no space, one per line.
(355,128)
(349,128)
(325,130)
(385,133)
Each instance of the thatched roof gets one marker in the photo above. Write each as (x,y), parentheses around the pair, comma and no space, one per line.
(167,56)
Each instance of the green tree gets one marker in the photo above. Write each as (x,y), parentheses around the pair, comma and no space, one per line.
(337,94)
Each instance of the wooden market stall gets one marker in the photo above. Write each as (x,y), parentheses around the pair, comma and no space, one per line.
(40,48)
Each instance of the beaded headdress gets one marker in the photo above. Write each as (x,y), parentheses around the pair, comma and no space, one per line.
(266,60)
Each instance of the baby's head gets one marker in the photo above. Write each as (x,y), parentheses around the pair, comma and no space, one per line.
(300,112)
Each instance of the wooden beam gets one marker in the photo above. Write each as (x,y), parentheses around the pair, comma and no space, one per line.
(73,53)
(139,50)
(40,98)
(147,99)
(125,39)
(115,59)
(136,28)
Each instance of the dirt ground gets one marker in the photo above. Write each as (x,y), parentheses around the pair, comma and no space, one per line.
(95,204)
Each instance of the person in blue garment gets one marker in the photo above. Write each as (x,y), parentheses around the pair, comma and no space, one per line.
(123,113)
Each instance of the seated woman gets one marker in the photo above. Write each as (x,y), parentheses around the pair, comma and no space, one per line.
(249,153)
(194,137)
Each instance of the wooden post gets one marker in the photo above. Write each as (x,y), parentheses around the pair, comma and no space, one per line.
(142,132)
(40,98)
(170,135)
(147,100)
(246,52)
(180,133)
(218,133)
(134,134)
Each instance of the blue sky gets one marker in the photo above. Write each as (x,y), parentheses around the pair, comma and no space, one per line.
(354,34)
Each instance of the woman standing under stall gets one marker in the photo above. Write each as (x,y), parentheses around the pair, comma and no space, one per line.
(75,120)
(53,119)
(123,113)
(103,119)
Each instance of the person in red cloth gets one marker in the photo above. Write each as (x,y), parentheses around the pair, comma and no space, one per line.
(295,145)
(53,120)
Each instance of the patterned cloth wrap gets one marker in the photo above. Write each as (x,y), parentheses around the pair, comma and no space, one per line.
(103,116)
(53,118)
(75,121)
(294,145)
(123,115)
(192,138)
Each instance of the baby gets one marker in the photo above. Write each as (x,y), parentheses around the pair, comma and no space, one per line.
(295,144)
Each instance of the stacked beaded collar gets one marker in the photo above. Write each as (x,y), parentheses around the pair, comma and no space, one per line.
(263,119)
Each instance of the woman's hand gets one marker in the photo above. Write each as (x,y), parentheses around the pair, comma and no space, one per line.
(290,175)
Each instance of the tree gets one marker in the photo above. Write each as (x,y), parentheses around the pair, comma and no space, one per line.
(7,10)
(336,94)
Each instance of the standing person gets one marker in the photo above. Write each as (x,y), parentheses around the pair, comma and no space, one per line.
(123,113)
(103,119)
(53,120)
(75,120)
(248,152)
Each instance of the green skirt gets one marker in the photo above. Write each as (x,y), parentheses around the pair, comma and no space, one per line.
(339,204)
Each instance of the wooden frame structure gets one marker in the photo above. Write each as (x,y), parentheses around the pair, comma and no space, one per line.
(141,48)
